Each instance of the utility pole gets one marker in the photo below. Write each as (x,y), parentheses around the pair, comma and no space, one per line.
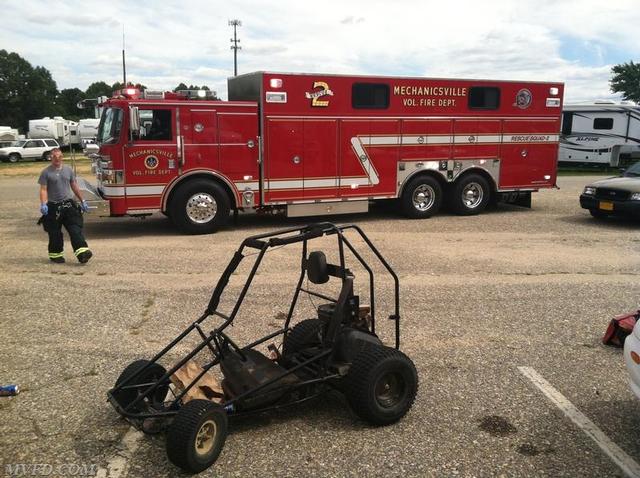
(235,47)
(124,68)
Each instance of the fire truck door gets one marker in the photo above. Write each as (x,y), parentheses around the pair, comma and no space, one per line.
(151,158)
(200,137)
(239,149)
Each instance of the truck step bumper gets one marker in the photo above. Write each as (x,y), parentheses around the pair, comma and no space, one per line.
(98,206)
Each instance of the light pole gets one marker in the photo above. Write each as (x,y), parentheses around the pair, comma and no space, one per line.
(235,47)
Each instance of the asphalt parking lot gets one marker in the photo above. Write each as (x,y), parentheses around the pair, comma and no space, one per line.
(481,297)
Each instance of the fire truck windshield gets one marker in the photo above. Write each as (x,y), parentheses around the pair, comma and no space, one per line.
(110,126)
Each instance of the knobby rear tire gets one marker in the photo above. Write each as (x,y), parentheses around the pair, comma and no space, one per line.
(381,384)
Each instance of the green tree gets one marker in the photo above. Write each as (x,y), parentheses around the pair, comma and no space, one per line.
(25,92)
(626,80)
(181,86)
(99,88)
(68,101)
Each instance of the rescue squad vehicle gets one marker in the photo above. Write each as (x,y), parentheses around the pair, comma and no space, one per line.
(314,144)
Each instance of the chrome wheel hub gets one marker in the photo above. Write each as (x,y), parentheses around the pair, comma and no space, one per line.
(423,197)
(472,195)
(201,208)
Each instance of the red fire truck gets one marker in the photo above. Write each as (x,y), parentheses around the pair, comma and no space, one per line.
(314,144)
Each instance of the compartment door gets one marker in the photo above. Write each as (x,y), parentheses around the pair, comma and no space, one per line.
(529,153)
(320,159)
(284,168)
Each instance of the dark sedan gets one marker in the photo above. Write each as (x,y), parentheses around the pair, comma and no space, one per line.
(620,195)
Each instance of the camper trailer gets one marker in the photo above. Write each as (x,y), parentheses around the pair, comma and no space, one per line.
(8,135)
(602,133)
(62,130)
(87,130)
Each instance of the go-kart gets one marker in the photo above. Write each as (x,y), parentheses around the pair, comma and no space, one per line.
(336,349)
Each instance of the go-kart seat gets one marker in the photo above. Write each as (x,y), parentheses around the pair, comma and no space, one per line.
(317,270)
(242,374)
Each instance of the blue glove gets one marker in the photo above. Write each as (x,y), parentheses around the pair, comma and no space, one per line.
(44,209)
(84,206)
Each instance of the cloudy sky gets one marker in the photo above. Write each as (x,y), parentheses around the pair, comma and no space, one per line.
(169,42)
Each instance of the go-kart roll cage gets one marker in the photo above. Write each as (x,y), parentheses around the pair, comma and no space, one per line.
(217,341)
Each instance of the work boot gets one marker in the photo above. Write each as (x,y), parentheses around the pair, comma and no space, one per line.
(84,256)
(57,260)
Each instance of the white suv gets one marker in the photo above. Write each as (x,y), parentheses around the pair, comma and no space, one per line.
(38,149)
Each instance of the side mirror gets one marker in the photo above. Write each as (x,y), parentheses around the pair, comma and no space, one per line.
(134,119)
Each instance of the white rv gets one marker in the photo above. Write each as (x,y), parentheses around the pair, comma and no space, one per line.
(87,130)
(62,130)
(601,133)
(8,135)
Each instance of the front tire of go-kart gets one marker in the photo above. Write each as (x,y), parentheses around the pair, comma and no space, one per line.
(197,435)
(125,397)
(381,384)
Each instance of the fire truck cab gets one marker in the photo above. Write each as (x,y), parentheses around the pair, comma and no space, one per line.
(314,144)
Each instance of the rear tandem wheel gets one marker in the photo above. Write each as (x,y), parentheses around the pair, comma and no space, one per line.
(421,198)
(470,195)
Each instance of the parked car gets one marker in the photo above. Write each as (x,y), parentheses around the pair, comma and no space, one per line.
(38,149)
(618,195)
(632,359)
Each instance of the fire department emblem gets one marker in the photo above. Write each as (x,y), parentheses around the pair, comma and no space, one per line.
(315,96)
(151,162)
(523,99)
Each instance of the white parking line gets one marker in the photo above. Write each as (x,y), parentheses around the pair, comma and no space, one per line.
(117,464)
(620,458)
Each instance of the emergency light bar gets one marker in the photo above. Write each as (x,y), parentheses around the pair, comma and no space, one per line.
(197,94)
(131,93)
(153,95)
(134,93)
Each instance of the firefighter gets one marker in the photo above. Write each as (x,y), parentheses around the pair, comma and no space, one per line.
(59,209)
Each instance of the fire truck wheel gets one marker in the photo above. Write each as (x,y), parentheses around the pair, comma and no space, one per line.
(199,207)
(422,197)
(470,195)
(196,436)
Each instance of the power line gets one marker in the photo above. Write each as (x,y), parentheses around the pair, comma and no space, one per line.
(235,47)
